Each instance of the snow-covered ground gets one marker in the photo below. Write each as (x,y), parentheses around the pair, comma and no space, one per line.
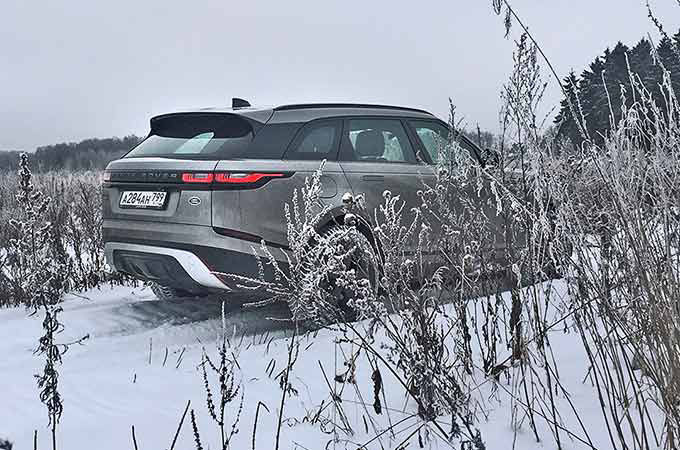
(121,377)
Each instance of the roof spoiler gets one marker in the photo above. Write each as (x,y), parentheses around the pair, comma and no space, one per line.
(239,103)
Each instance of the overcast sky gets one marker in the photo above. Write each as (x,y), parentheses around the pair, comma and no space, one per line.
(81,68)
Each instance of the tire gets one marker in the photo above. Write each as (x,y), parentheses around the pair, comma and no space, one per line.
(168,293)
(336,306)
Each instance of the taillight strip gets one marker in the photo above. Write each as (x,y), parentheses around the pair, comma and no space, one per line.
(243,178)
(197,178)
(232,180)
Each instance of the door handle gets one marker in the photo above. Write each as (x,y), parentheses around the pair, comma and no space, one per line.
(373,178)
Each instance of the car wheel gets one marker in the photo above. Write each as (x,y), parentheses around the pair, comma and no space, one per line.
(319,280)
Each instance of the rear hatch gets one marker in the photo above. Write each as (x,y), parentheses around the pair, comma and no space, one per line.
(168,177)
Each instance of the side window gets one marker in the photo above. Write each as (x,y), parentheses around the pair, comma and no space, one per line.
(376,140)
(435,138)
(433,135)
(316,141)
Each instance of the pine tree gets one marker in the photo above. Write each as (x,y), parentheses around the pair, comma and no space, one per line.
(565,120)
(616,76)
(593,97)
(641,61)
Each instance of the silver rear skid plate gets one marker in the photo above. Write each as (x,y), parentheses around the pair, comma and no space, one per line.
(191,264)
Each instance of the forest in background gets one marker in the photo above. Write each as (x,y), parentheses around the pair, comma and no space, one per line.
(90,154)
(606,86)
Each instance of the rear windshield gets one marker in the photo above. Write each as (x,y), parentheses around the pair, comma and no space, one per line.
(196,136)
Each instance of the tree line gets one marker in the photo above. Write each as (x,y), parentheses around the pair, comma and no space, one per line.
(601,90)
(89,154)
(597,96)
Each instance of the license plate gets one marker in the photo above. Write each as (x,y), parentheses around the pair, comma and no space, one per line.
(143,199)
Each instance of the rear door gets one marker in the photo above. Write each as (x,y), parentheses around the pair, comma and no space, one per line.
(377,155)
(167,178)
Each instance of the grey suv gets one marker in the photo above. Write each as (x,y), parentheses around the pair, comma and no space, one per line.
(205,186)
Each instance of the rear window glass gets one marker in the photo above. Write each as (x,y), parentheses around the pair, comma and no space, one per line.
(272,140)
(199,136)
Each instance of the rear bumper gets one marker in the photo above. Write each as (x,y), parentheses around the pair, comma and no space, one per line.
(189,257)
(168,266)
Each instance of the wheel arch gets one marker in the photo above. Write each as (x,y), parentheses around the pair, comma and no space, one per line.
(363,225)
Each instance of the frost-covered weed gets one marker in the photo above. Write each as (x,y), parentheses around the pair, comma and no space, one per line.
(75,217)
(39,282)
(612,231)
(34,279)
(224,370)
(420,342)
(620,213)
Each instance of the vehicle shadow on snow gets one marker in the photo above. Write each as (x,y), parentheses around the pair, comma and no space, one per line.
(240,318)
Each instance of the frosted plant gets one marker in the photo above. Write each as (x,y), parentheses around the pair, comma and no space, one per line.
(36,279)
(5,281)
(320,279)
(229,388)
(606,219)
(75,241)
(619,213)
(421,341)
(463,214)
(39,283)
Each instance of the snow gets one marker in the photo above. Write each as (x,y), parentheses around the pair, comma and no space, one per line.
(108,384)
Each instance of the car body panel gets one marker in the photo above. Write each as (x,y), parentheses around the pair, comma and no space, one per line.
(262,209)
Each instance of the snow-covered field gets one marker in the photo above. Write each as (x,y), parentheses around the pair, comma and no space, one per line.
(122,377)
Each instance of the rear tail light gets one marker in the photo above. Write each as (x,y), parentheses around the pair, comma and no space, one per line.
(237,180)
(244,178)
(197,177)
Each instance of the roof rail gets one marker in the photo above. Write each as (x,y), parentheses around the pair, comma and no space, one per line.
(345,105)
